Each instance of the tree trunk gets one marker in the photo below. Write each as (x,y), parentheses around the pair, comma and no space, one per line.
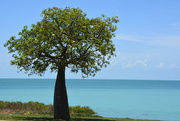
(61,107)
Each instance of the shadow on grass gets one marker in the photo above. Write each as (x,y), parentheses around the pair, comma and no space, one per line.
(33,118)
(90,119)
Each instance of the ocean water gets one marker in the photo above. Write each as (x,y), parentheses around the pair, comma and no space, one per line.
(139,99)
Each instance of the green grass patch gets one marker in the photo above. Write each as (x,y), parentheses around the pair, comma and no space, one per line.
(40,112)
(41,117)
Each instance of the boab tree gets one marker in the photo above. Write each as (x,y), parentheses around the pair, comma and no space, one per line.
(64,38)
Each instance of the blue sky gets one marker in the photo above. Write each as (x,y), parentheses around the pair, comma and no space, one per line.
(147,40)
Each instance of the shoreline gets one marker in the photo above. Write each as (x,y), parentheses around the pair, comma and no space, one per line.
(37,110)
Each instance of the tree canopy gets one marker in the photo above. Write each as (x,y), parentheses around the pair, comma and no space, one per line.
(64,37)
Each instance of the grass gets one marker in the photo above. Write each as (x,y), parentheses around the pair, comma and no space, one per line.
(50,118)
(40,112)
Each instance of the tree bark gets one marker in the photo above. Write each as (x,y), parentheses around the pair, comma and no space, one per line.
(61,107)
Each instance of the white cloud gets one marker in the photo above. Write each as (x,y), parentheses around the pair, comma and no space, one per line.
(157,40)
(129,61)
(160,65)
(167,66)
(144,61)
(137,63)
(172,66)
(148,52)
(128,38)
(175,24)
(165,41)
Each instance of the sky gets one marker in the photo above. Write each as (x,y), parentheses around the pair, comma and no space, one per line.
(147,40)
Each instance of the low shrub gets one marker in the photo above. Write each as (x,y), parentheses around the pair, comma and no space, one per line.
(79,111)
(40,108)
(31,106)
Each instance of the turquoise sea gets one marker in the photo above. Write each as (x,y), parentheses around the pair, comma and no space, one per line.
(139,99)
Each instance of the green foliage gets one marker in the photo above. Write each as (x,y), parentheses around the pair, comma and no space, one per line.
(40,108)
(29,107)
(81,111)
(64,38)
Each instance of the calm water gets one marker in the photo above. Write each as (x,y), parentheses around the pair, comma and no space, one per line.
(140,99)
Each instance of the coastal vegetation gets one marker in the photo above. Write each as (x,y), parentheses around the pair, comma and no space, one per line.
(39,111)
(40,108)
